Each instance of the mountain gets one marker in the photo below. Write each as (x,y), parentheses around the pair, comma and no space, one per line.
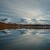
(45,21)
(20,20)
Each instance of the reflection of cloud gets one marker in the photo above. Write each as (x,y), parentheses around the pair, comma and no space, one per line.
(30,39)
(27,37)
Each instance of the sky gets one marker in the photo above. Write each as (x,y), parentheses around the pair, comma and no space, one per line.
(31,10)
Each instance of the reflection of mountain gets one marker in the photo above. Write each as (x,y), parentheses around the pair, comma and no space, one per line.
(24,31)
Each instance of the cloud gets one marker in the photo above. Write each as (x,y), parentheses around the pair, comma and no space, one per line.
(28,9)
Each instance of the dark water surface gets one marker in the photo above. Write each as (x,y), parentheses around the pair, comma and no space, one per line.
(25,39)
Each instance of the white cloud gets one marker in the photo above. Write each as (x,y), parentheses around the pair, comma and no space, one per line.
(29,9)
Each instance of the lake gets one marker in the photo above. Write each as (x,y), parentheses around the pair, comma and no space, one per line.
(25,39)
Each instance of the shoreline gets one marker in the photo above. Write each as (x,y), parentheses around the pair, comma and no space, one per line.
(23,26)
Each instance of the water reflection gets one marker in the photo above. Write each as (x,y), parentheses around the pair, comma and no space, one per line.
(25,39)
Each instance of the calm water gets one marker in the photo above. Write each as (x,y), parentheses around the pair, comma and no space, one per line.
(25,39)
